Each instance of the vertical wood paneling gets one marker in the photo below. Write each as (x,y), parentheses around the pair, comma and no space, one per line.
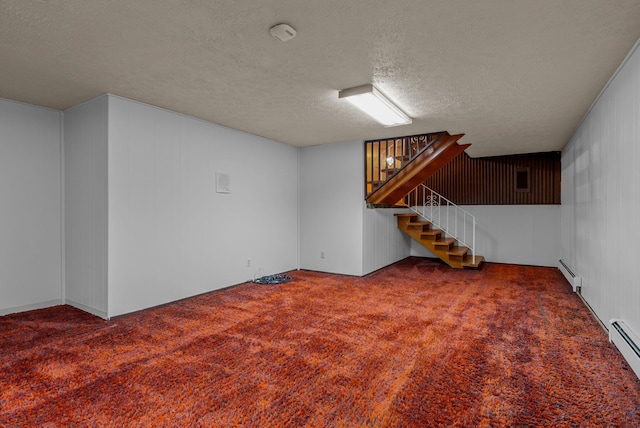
(492,180)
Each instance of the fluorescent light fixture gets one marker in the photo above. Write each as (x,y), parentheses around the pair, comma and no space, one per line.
(371,101)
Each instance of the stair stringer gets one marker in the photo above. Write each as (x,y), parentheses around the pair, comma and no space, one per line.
(419,169)
(436,241)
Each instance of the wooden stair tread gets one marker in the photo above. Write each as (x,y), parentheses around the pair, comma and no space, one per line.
(405,214)
(398,205)
(467,261)
(446,242)
(457,250)
(431,233)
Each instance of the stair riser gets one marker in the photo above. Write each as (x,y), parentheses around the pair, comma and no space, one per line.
(455,256)
(429,244)
(421,227)
(441,250)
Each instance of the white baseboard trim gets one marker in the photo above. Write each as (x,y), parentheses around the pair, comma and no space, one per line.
(31,307)
(92,311)
(621,335)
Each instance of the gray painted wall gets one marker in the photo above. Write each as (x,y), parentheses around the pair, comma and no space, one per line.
(145,225)
(334,218)
(518,234)
(30,209)
(85,202)
(383,242)
(170,234)
(331,208)
(601,202)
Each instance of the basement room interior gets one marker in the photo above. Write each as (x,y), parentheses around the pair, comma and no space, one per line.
(320,214)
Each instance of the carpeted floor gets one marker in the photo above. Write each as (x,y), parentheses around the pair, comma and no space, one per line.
(415,344)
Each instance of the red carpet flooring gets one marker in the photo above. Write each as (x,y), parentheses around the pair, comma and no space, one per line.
(414,345)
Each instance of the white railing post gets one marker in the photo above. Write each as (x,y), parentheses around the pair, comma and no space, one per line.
(431,201)
(448,206)
(473,250)
(464,231)
(455,219)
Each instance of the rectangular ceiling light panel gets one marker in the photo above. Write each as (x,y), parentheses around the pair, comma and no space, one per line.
(371,101)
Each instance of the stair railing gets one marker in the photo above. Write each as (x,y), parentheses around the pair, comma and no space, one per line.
(386,157)
(445,215)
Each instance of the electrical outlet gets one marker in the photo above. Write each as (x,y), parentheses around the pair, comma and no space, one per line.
(322,254)
(248,262)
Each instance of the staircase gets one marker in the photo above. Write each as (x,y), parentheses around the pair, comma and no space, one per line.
(435,241)
(442,227)
(394,172)
(402,164)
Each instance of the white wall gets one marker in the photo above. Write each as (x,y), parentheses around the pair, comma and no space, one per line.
(145,225)
(170,234)
(86,142)
(331,208)
(335,220)
(383,242)
(30,208)
(601,203)
(518,234)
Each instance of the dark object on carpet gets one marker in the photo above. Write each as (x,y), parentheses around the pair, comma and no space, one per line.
(415,344)
(280,278)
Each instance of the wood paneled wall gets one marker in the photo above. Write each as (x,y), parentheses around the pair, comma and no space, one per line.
(492,180)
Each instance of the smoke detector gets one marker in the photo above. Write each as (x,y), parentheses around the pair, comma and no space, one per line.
(283,32)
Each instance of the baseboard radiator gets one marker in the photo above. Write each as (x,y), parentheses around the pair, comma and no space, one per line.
(574,280)
(627,343)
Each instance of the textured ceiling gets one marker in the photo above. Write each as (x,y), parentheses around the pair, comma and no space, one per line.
(514,76)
